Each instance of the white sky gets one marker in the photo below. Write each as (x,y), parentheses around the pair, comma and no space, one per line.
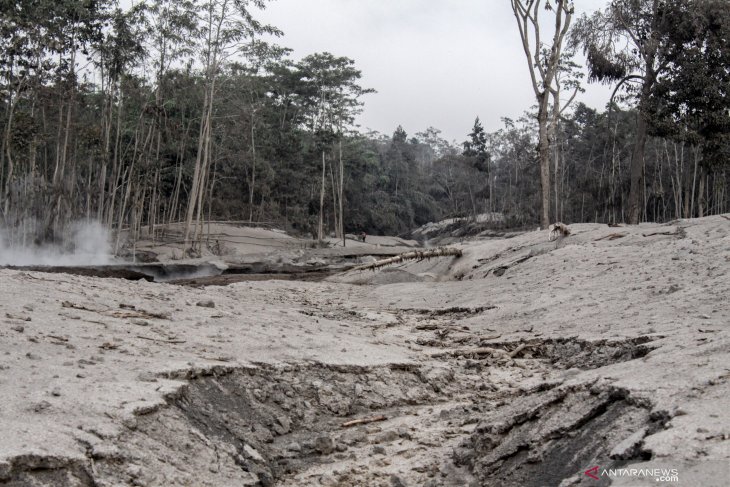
(434,63)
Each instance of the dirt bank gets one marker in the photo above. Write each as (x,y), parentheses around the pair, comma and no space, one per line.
(524,362)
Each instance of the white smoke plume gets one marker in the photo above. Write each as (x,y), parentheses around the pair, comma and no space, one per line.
(81,244)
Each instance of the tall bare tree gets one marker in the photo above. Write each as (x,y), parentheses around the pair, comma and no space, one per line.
(227,28)
(543,61)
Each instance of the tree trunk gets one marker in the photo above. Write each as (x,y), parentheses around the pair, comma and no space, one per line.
(193,196)
(320,228)
(342,191)
(173,211)
(116,164)
(9,175)
(334,201)
(253,171)
(701,198)
(544,157)
(694,183)
(637,169)
(555,120)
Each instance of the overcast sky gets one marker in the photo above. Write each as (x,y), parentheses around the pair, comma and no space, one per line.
(434,63)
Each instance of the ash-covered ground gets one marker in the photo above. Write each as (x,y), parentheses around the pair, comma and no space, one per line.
(524,362)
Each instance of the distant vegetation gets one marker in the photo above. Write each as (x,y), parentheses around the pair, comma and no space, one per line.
(179,110)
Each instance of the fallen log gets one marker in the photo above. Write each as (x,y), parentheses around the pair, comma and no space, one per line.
(518,350)
(160,340)
(140,313)
(611,236)
(412,255)
(668,232)
(356,422)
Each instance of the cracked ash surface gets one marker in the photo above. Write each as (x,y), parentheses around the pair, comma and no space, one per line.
(521,363)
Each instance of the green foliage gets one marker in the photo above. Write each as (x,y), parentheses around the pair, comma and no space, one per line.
(476,147)
(691,100)
(102,110)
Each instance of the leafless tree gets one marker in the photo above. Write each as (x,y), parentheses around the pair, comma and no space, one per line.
(543,61)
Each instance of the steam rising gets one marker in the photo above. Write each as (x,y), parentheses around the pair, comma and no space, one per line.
(80,244)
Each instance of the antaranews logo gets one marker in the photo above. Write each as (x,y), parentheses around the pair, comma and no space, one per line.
(657,474)
(592,472)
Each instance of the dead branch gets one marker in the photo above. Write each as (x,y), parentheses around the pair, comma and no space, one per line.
(69,304)
(56,337)
(412,255)
(668,232)
(138,314)
(159,339)
(518,350)
(356,422)
(427,327)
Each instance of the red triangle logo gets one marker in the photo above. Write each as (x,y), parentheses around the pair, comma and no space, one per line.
(591,472)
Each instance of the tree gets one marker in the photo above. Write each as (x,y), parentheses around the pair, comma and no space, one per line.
(691,99)
(690,102)
(543,61)
(623,45)
(41,42)
(227,26)
(475,148)
(333,101)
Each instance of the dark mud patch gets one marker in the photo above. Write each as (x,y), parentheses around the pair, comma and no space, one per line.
(27,470)
(113,272)
(282,420)
(452,312)
(157,272)
(566,353)
(555,353)
(553,436)
(464,421)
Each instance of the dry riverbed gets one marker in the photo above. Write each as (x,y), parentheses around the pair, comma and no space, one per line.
(522,363)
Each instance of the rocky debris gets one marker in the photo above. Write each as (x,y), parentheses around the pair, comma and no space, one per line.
(13,316)
(206,303)
(324,445)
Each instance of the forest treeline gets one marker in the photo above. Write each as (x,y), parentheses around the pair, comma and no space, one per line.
(180,111)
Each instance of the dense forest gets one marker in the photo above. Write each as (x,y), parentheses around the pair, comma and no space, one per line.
(181,111)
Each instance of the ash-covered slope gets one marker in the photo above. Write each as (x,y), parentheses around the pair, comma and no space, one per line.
(524,362)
